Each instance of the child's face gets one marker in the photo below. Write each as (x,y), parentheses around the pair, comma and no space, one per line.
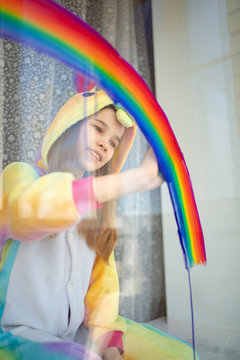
(99,135)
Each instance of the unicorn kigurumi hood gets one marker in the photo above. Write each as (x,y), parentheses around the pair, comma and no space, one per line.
(79,107)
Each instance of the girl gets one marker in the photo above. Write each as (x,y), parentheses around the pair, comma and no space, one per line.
(58,275)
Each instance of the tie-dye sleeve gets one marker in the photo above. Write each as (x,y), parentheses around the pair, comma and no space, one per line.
(102,303)
(33,207)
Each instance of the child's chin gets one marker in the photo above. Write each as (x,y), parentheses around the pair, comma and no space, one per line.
(93,167)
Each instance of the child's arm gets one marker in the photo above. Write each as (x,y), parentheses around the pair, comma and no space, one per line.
(140,179)
(33,207)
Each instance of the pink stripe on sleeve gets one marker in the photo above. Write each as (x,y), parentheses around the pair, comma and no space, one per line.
(83,195)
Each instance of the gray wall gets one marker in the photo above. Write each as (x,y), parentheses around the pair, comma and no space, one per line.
(195,87)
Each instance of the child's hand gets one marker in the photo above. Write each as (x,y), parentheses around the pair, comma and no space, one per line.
(149,170)
(143,178)
(112,353)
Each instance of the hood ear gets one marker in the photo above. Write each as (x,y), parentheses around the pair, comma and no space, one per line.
(124,118)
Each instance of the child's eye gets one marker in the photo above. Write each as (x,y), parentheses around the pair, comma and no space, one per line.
(113,144)
(97,128)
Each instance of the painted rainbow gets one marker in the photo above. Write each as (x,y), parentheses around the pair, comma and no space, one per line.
(47,27)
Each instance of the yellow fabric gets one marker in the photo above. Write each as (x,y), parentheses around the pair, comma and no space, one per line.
(34,207)
(139,341)
(142,343)
(102,299)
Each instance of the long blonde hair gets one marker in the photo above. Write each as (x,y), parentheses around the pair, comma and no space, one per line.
(99,231)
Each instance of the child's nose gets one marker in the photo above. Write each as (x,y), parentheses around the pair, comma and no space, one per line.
(103,143)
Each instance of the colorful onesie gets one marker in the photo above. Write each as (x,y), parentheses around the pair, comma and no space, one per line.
(52,285)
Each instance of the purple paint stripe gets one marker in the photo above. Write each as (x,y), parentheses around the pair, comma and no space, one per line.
(74,350)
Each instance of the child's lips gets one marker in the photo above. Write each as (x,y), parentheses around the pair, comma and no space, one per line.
(96,154)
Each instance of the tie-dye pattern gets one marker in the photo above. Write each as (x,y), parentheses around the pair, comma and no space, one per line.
(18,348)
(141,342)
